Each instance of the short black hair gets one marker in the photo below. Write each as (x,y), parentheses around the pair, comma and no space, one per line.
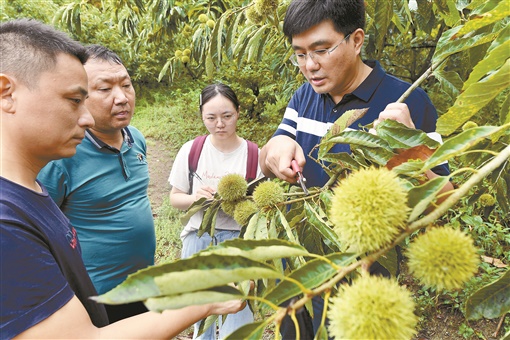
(29,47)
(211,91)
(103,53)
(346,15)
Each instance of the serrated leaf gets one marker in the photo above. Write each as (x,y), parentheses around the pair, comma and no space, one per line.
(397,135)
(450,44)
(345,120)
(500,12)
(373,155)
(202,203)
(493,60)
(344,159)
(491,301)
(257,227)
(450,81)
(251,331)
(208,224)
(410,168)
(390,261)
(473,99)
(311,275)
(321,226)
(259,250)
(213,295)
(456,145)
(355,138)
(186,275)
(420,197)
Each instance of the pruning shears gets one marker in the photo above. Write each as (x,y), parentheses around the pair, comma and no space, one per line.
(301,180)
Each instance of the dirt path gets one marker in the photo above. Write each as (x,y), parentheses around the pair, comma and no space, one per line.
(159,157)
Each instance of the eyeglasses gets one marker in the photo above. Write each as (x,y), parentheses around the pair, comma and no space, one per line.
(225,119)
(299,59)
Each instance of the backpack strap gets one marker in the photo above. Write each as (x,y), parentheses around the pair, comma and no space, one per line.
(253,161)
(194,155)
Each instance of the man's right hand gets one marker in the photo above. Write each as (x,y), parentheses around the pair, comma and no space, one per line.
(276,157)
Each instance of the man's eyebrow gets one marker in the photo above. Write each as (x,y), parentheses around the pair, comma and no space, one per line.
(313,45)
(81,90)
(112,79)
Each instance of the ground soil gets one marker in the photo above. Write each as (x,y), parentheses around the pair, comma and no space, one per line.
(442,323)
(159,157)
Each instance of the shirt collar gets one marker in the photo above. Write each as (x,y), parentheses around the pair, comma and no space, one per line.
(128,138)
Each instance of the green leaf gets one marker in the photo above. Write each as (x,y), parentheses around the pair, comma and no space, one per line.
(421,196)
(458,144)
(321,225)
(473,99)
(283,221)
(494,59)
(258,250)
(345,120)
(450,44)
(186,275)
(500,12)
(257,227)
(397,135)
(202,203)
(491,301)
(390,261)
(311,275)
(216,294)
(208,224)
(450,81)
(355,138)
(382,21)
(373,155)
(251,331)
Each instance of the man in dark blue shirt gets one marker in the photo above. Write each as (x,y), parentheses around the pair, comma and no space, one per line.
(327,37)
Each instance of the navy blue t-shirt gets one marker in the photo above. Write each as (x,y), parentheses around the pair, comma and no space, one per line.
(310,115)
(41,267)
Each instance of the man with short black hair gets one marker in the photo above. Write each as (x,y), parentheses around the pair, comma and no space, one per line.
(327,37)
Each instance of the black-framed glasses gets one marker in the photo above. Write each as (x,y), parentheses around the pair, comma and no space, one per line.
(299,59)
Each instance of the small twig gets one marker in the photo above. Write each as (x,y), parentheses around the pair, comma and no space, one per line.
(500,324)
(418,81)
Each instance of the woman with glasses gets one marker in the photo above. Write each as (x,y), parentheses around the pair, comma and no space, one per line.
(327,38)
(223,152)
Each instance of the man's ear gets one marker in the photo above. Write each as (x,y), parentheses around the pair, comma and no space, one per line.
(7,86)
(358,37)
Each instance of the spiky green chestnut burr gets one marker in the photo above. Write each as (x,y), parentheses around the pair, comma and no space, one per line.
(243,211)
(487,200)
(443,257)
(267,194)
(229,207)
(369,208)
(203,18)
(372,308)
(253,16)
(266,7)
(232,187)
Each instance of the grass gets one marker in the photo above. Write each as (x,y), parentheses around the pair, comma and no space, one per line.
(168,228)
